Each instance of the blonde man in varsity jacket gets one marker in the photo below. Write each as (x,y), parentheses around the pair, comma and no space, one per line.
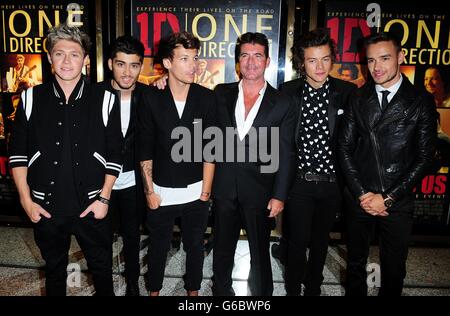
(65,155)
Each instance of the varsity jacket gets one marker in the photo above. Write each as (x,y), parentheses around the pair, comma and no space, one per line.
(96,139)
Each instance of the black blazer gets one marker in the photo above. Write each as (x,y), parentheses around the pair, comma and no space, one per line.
(244,179)
(158,117)
(339,96)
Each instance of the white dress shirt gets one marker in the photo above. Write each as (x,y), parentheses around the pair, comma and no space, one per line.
(244,124)
(392,89)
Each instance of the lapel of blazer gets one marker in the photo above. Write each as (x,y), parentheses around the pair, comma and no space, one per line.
(169,104)
(189,108)
(231,102)
(265,107)
(333,107)
(298,99)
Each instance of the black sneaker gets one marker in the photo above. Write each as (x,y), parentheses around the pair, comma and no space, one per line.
(279,251)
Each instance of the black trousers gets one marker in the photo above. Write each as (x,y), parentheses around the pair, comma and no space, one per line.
(229,218)
(124,209)
(194,218)
(310,213)
(53,236)
(395,232)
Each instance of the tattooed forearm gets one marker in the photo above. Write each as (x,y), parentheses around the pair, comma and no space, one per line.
(147,177)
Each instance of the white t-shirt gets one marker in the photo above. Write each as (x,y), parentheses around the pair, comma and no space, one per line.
(177,196)
(180,107)
(126,179)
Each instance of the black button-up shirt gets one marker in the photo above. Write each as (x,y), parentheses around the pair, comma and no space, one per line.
(314,134)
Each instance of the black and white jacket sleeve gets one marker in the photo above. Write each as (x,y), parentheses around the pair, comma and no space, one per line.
(114,138)
(18,145)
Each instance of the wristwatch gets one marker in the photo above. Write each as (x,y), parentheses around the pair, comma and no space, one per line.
(388,201)
(103,200)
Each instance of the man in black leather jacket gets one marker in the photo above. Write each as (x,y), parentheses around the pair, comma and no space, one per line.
(386,143)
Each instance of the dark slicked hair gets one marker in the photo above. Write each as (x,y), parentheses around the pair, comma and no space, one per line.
(174,40)
(383,37)
(128,45)
(251,38)
(314,38)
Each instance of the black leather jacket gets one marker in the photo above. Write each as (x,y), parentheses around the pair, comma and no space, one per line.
(387,152)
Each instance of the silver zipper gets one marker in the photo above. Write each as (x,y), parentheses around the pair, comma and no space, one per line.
(377,158)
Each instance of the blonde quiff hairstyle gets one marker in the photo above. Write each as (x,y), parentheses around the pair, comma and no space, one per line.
(69,33)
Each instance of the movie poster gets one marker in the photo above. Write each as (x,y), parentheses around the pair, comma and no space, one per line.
(23,64)
(216,23)
(425,38)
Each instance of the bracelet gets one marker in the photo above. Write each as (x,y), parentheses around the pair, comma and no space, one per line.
(103,200)
(149,193)
(206,193)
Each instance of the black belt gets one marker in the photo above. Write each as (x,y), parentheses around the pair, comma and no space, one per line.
(316,177)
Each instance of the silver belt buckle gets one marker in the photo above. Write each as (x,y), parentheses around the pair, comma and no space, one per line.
(307,174)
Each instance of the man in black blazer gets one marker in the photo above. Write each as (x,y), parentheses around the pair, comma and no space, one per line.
(177,181)
(249,193)
(316,193)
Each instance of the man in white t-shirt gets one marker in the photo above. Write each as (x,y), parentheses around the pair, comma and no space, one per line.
(176,187)
(127,199)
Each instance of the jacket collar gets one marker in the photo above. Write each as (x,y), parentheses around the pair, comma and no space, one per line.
(404,97)
(77,92)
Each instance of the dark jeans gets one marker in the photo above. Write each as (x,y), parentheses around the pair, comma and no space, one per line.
(124,211)
(194,218)
(310,213)
(395,231)
(229,218)
(53,236)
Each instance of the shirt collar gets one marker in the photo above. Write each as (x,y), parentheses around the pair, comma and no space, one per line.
(392,89)
(324,88)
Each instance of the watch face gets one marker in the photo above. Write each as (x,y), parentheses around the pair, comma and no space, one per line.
(388,202)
